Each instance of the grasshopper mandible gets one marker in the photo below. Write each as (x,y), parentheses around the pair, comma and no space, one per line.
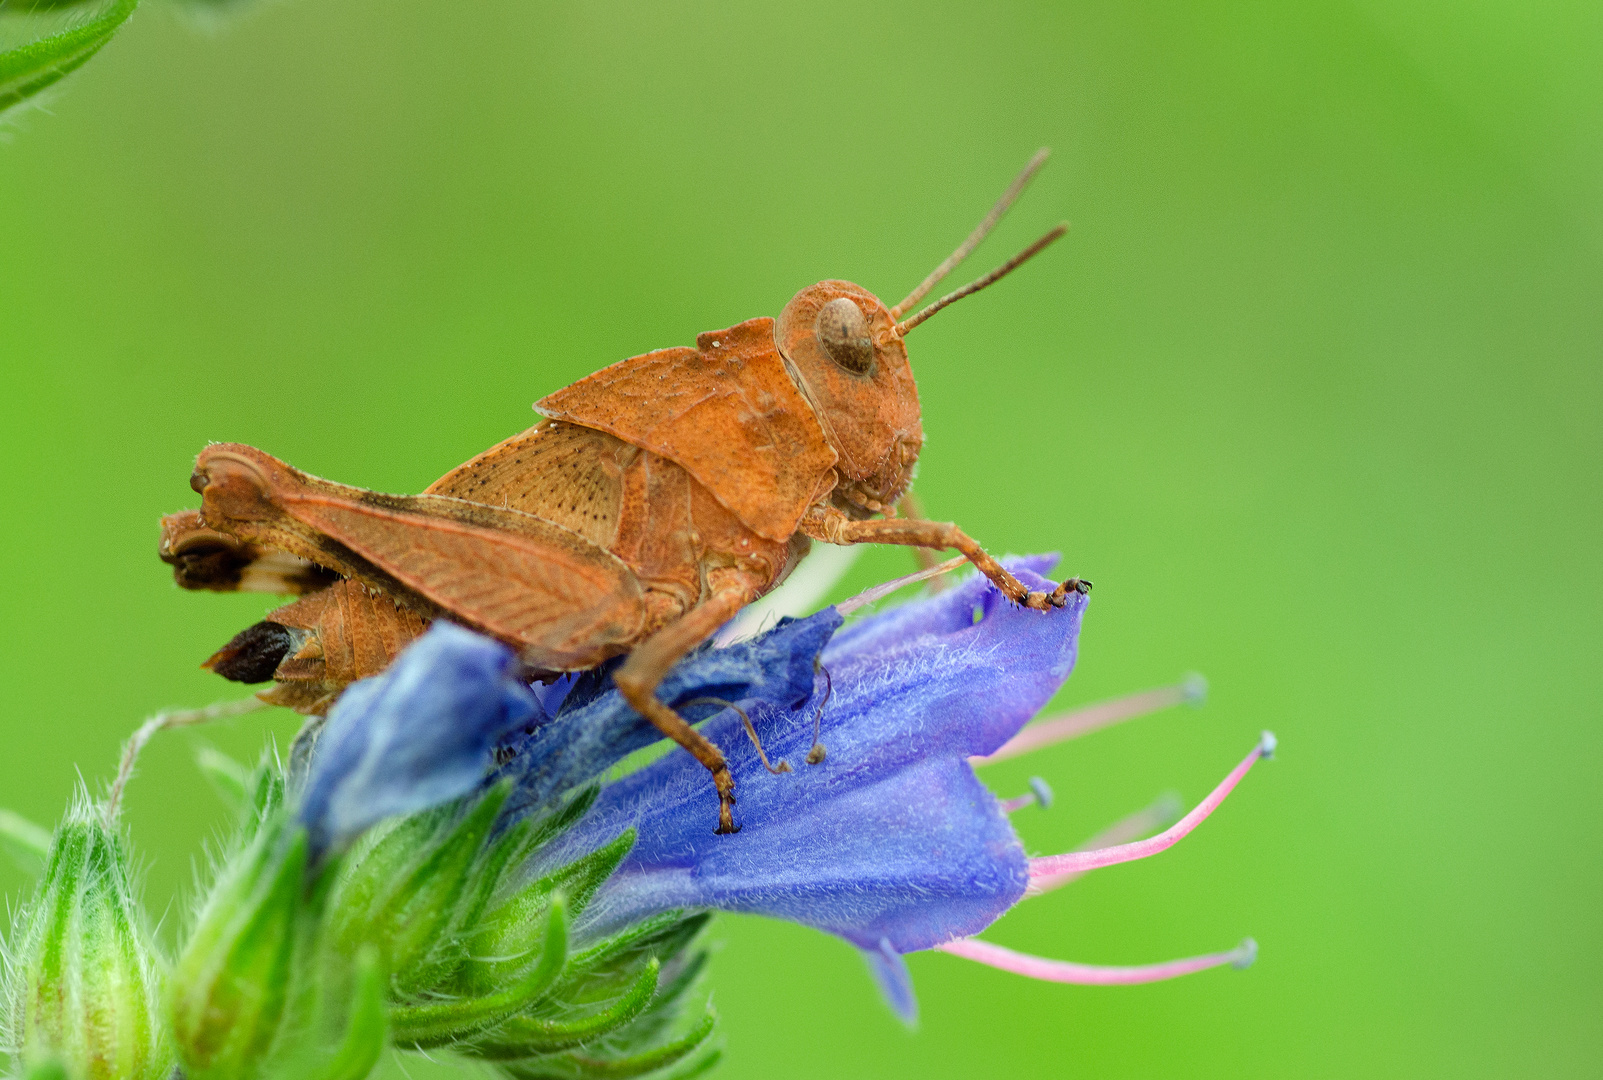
(655,499)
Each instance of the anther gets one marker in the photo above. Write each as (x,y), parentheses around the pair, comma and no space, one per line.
(1040,793)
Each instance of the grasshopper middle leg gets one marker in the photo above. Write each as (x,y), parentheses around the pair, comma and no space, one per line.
(638,678)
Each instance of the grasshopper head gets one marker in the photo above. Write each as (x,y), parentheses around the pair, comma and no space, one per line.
(840,344)
(844,348)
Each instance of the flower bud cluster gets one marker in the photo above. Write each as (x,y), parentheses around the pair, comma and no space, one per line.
(423,934)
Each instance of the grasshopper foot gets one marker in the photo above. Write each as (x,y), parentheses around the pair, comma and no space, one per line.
(725,783)
(1058,597)
(1060,594)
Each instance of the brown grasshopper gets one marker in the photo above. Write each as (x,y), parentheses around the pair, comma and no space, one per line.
(656,499)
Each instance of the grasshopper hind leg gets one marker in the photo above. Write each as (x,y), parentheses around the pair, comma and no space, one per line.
(640,675)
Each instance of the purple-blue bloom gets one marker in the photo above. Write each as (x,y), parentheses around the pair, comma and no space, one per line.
(892,842)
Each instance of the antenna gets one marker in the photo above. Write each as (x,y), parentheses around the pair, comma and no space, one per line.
(989,279)
(967,247)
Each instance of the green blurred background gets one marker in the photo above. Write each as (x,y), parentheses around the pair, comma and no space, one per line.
(1311,391)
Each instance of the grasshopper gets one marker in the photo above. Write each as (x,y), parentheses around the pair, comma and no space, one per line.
(654,500)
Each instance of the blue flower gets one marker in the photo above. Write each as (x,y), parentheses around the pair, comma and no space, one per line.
(892,837)
(892,842)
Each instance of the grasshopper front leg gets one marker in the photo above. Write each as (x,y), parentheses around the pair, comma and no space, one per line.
(832,526)
(911,509)
(638,678)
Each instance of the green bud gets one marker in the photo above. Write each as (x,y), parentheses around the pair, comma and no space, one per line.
(230,986)
(84,985)
(258,993)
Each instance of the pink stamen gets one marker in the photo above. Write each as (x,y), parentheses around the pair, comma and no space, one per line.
(1061,971)
(1081,861)
(1095,717)
(879,592)
(1166,811)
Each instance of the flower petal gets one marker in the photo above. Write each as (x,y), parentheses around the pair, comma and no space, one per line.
(894,981)
(418,735)
(966,686)
(943,612)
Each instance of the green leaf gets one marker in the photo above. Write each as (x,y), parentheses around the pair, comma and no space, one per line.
(507,931)
(590,1065)
(366,1031)
(517,844)
(700,1065)
(524,1036)
(442,1023)
(417,916)
(661,935)
(47,1070)
(30,68)
(667,1008)
(563,818)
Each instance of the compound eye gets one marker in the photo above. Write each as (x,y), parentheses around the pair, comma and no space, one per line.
(843,333)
